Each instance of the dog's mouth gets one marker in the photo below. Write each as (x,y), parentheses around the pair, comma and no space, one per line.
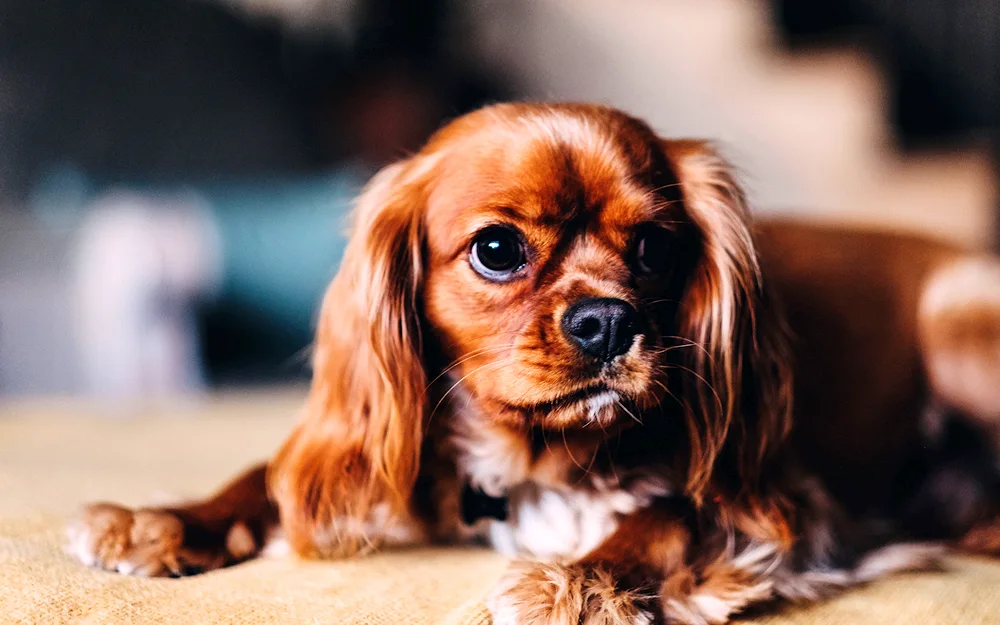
(589,399)
(586,394)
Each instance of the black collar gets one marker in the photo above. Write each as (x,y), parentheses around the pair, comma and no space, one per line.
(477,505)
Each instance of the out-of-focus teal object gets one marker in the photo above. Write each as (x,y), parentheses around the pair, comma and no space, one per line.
(282,237)
(282,242)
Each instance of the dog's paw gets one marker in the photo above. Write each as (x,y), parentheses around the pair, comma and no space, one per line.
(537,593)
(148,543)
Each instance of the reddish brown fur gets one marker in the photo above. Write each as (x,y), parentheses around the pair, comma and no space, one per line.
(428,376)
(852,297)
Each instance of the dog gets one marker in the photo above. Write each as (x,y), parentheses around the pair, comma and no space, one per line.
(558,333)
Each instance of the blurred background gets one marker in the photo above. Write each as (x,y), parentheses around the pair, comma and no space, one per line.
(174,175)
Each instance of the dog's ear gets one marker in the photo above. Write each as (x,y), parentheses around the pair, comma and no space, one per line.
(346,473)
(737,384)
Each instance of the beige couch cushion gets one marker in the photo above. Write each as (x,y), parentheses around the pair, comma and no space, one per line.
(55,456)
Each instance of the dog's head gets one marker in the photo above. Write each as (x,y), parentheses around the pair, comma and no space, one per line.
(565,267)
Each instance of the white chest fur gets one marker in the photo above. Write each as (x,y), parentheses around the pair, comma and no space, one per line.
(566,524)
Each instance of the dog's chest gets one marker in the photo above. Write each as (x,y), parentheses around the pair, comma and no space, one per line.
(558,524)
(542,516)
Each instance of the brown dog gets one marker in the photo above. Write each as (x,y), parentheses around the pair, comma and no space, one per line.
(558,332)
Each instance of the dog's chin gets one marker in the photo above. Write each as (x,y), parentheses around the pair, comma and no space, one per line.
(601,407)
(598,406)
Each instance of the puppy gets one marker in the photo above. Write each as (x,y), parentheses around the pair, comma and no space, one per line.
(556,332)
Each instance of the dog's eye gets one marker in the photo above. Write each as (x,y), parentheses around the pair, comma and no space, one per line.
(497,253)
(652,251)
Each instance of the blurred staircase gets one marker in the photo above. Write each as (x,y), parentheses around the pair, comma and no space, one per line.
(809,130)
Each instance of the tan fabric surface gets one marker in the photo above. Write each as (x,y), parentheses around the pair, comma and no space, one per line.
(55,456)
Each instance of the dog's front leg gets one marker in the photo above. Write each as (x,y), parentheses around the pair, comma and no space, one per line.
(643,573)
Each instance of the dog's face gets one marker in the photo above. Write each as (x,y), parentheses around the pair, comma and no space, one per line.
(559,266)
(555,254)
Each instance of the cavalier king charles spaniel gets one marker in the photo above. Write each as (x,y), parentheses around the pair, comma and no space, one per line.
(559,333)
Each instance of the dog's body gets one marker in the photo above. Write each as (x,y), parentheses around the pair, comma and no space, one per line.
(616,405)
(853,299)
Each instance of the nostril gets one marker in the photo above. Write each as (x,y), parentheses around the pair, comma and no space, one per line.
(588,327)
(623,329)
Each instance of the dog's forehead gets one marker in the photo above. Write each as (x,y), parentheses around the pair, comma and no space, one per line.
(547,170)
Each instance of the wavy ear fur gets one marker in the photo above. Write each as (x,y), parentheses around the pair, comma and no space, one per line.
(738,384)
(345,474)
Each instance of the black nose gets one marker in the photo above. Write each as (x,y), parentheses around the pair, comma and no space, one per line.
(601,327)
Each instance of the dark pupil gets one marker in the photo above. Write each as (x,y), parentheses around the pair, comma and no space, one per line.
(654,253)
(498,251)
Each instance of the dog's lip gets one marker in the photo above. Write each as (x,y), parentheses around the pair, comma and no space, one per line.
(569,399)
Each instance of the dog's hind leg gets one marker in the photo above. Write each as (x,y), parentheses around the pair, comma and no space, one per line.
(960,340)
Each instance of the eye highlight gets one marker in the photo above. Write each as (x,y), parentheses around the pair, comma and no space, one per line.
(497,253)
(653,255)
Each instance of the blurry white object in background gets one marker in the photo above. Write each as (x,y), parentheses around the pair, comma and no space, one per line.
(141,264)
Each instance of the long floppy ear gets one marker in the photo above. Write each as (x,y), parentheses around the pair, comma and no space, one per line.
(346,472)
(737,384)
